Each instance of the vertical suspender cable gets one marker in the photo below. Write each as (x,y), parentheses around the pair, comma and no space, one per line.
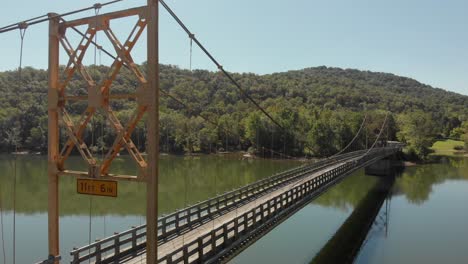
(91,197)
(90,224)
(2,230)
(14,204)
(187,214)
(138,135)
(272,142)
(22,27)
(284,147)
(191,43)
(226,137)
(216,194)
(136,173)
(366,136)
(98,47)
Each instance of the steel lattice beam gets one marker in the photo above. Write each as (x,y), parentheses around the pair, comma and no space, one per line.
(98,98)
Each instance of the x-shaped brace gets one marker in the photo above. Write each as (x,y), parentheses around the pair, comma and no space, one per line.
(75,131)
(99,99)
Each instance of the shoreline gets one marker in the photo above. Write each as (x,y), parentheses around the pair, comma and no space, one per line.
(243,154)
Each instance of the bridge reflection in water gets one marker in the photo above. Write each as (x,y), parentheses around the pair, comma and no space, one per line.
(345,244)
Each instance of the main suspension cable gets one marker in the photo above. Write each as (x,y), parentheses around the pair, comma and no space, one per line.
(25,21)
(220,67)
(41,19)
(208,120)
(97,6)
(378,136)
(352,141)
(100,48)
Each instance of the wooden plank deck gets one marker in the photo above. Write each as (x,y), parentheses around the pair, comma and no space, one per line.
(192,235)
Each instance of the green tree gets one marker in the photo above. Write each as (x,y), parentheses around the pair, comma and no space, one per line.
(418,129)
(464,136)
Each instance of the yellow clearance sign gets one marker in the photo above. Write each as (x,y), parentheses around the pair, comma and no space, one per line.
(96,187)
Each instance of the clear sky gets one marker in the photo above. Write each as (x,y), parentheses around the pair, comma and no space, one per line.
(423,39)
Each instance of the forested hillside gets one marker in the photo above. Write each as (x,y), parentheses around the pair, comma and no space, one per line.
(320,108)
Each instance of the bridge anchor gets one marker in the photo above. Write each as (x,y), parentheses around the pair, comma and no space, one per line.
(385,168)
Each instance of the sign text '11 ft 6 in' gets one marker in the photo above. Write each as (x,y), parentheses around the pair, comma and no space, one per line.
(96,187)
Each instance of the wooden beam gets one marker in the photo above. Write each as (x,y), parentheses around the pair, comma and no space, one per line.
(53,138)
(115,177)
(153,133)
(108,16)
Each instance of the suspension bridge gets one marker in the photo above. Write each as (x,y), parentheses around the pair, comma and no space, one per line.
(211,231)
(217,229)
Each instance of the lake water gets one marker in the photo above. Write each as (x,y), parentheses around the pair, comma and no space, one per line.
(183,181)
(427,219)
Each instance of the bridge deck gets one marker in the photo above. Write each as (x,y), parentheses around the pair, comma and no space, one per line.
(220,227)
(192,235)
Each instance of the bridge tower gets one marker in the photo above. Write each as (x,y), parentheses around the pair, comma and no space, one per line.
(98,99)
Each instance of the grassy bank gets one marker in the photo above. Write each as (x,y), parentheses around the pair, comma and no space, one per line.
(447,147)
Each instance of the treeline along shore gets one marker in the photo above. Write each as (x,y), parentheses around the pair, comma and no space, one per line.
(320,109)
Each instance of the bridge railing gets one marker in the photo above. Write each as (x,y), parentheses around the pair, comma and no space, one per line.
(117,245)
(174,224)
(197,213)
(210,244)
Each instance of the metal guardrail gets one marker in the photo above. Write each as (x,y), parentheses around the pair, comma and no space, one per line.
(130,241)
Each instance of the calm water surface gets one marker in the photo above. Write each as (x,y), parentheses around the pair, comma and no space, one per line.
(183,181)
(428,217)
(427,220)
(427,223)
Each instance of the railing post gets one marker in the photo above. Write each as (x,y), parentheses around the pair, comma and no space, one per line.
(98,251)
(246,221)
(176,220)
(163,226)
(188,217)
(76,256)
(200,249)
(213,241)
(254,217)
(134,240)
(236,227)
(225,235)
(116,244)
(186,256)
